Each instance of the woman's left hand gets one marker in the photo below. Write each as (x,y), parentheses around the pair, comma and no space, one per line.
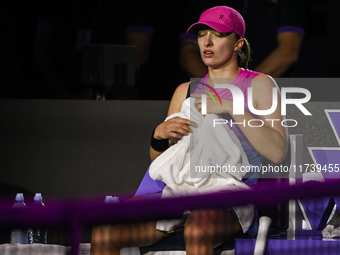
(213,105)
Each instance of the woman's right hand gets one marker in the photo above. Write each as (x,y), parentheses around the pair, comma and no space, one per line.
(173,128)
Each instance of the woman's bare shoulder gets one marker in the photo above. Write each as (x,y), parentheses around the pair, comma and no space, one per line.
(183,88)
(263,81)
(178,97)
(181,91)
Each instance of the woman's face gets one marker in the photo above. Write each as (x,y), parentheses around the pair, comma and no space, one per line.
(217,49)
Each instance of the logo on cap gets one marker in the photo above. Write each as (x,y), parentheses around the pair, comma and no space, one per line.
(221,16)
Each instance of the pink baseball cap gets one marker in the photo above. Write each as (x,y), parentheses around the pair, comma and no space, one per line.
(223,19)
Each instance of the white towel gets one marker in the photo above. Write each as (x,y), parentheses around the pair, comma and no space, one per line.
(206,146)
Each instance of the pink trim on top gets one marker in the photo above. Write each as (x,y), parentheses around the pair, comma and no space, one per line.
(242,81)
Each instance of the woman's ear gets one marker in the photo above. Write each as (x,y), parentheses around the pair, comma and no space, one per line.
(239,44)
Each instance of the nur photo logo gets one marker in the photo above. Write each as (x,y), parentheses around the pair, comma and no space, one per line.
(204,97)
(239,104)
(238,99)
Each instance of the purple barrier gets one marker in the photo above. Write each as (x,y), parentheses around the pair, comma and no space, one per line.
(291,247)
(76,213)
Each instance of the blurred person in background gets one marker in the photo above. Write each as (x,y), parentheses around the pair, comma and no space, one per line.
(155,28)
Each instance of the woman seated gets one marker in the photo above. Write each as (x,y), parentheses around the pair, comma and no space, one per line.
(226,52)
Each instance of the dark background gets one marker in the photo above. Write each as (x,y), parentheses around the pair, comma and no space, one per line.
(20,77)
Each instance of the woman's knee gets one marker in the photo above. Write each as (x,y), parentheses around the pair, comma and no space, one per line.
(199,226)
(210,225)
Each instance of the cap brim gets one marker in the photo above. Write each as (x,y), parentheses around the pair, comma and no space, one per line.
(216,26)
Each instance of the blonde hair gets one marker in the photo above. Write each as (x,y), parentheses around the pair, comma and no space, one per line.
(243,55)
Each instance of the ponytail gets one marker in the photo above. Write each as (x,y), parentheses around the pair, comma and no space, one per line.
(243,55)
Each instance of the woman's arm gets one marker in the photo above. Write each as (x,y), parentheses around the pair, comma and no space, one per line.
(175,126)
(270,140)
